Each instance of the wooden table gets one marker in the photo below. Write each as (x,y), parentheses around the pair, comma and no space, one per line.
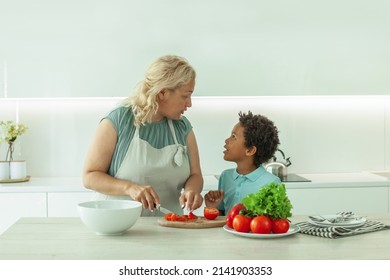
(69,239)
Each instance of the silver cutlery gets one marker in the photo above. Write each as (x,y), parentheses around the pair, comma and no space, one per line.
(339,218)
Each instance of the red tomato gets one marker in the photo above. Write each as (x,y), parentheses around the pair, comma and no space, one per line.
(261,224)
(229,221)
(210,213)
(241,223)
(235,210)
(280,225)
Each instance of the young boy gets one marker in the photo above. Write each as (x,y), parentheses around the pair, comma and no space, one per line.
(253,141)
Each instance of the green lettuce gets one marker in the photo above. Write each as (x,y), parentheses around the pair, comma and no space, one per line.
(271,200)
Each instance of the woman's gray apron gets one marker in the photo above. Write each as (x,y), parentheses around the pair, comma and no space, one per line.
(165,169)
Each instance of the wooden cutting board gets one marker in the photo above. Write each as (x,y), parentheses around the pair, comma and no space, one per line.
(201,222)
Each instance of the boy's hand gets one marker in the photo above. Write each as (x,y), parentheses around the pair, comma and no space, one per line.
(213,198)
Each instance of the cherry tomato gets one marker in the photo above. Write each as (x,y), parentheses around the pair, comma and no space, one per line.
(210,213)
(261,224)
(241,223)
(280,225)
(235,210)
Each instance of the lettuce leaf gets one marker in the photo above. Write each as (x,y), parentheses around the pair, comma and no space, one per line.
(271,200)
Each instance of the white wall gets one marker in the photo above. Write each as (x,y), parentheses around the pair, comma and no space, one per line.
(320,134)
(335,52)
(92,48)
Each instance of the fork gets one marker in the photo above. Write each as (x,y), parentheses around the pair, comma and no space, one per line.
(345,214)
(318,218)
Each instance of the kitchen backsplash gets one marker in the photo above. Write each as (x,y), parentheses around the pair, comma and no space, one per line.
(319,134)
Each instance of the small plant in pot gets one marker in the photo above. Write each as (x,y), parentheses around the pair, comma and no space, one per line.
(9,132)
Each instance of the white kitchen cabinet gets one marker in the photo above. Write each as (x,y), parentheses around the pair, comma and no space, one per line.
(360,200)
(16,205)
(65,204)
(327,193)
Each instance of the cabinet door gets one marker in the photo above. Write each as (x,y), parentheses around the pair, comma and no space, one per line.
(65,204)
(332,200)
(17,205)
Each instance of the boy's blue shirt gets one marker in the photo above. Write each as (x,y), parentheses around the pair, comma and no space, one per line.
(237,186)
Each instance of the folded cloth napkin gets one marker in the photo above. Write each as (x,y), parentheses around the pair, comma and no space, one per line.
(338,231)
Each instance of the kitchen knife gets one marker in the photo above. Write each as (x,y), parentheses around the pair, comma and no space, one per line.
(162,209)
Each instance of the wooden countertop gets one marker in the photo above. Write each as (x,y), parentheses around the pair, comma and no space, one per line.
(69,239)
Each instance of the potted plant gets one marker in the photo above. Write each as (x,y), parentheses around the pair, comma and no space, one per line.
(9,132)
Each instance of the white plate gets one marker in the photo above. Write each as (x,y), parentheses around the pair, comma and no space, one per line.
(352,223)
(293,229)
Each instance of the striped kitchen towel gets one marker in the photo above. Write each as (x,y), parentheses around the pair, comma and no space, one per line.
(338,231)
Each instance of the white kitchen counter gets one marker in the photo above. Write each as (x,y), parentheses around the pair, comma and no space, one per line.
(331,180)
(320,180)
(45,184)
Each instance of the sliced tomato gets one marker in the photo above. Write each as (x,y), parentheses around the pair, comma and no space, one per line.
(170,217)
(210,213)
(182,218)
(192,216)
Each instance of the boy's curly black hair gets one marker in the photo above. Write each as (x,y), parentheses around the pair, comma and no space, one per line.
(260,132)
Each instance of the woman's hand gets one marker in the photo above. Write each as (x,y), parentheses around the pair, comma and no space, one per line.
(144,194)
(213,198)
(190,200)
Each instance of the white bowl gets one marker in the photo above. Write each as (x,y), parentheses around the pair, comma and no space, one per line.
(110,217)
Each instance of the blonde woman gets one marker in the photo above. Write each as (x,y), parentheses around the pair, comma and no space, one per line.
(146,150)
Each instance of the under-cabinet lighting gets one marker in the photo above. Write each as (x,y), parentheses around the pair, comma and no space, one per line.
(206,97)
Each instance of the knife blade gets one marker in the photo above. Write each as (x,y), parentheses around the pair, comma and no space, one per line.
(162,209)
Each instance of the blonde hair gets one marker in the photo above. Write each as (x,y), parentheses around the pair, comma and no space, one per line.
(167,72)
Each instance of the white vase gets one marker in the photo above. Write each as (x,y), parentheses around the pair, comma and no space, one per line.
(18,169)
(4,170)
